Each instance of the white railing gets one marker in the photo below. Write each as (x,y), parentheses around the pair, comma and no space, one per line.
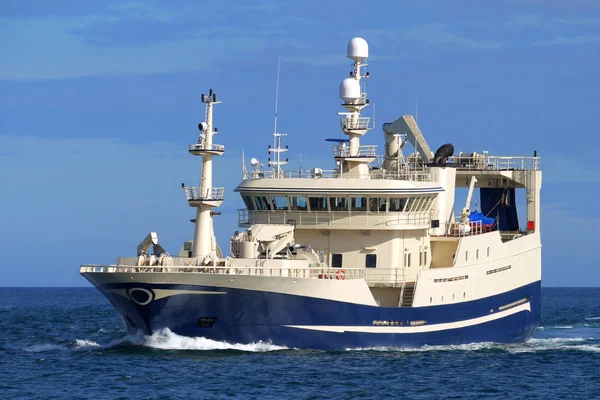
(363,151)
(350,122)
(393,277)
(334,218)
(361,101)
(495,163)
(456,230)
(211,194)
(265,271)
(417,175)
(204,147)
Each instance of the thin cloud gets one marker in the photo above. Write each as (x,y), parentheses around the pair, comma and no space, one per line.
(434,35)
(570,40)
(562,169)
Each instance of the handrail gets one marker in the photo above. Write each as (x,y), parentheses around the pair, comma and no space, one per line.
(495,163)
(352,122)
(362,151)
(264,270)
(203,146)
(394,277)
(210,194)
(332,218)
(455,229)
(415,175)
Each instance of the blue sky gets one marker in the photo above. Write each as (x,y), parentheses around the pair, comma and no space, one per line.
(99,100)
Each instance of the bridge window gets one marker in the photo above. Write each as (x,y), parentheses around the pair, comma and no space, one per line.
(262,203)
(298,203)
(429,203)
(419,204)
(336,260)
(338,203)
(397,204)
(280,202)
(371,261)
(358,204)
(410,203)
(378,205)
(248,201)
(318,203)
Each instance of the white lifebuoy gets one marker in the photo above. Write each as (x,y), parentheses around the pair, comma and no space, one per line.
(340,275)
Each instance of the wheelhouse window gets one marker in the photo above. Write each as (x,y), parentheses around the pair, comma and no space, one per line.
(249,203)
(336,261)
(318,203)
(429,202)
(280,202)
(416,204)
(378,204)
(298,203)
(371,261)
(397,204)
(409,203)
(262,203)
(358,204)
(338,203)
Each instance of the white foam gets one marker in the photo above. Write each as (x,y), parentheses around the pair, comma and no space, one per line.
(39,348)
(458,347)
(593,318)
(557,340)
(167,340)
(531,346)
(83,343)
(588,347)
(539,345)
(562,327)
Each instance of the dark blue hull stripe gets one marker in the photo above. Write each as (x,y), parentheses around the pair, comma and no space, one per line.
(245,316)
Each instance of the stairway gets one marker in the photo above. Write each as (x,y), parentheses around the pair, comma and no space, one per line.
(408,293)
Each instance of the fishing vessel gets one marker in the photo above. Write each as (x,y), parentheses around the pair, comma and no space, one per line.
(368,253)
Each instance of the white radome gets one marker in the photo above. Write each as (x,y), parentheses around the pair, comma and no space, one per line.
(349,90)
(358,49)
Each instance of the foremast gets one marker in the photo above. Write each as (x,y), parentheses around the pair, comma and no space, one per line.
(206,197)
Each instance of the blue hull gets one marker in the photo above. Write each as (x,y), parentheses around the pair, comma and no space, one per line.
(246,316)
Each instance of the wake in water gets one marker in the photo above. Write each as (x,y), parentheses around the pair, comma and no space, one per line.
(161,340)
(531,346)
(167,340)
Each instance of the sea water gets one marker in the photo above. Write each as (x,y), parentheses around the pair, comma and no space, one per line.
(70,343)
